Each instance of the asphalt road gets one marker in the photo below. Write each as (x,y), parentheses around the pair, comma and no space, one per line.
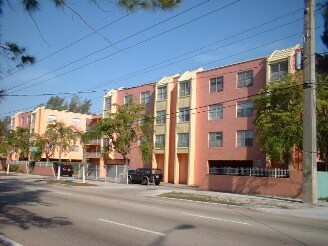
(34,213)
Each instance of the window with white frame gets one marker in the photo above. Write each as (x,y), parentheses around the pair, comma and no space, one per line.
(184,114)
(12,122)
(22,119)
(161,93)
(183,139)
(105,143)
(52,118)
(160,117)
(184,88)
(29,119)
(245,79)
(244,138)
(160,141)
(128,99)
(74,148)
(244,109)
(108,103)
(145,97)
(33,118)
(278,70)
(216,84)
(215,112)
(76,121)
(215,139)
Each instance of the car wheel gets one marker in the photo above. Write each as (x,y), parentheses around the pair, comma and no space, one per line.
(144,181)
(157,182)
(70,175)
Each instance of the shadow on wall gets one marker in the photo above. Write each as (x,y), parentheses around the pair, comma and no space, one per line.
(13,195)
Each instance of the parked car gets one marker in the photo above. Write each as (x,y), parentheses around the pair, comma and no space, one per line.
(146,176)
(130,172)
(65,169)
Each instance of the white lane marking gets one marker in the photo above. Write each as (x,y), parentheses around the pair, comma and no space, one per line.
(7,241)
(212,218)
(132,227)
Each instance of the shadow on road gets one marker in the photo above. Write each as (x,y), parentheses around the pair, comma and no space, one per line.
(161,241)
(14,197)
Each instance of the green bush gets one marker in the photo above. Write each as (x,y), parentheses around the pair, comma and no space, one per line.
(15,168)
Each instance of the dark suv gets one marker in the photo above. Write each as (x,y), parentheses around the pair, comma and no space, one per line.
(146,176)
(65,169)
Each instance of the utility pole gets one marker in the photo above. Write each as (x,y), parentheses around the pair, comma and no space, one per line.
(309,109)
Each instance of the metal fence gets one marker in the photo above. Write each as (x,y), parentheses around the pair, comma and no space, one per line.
(113,173)
(258,172)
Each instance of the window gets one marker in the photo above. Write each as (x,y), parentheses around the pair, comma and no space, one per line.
(159,141)
(161,93)
(105,143)
(244,109)
(215,139)
(22,121)
(108,103)
(33,118)
(245,79)
(145,97)
(76,121)
(215,112)
(278,70)
(184,114)
(184,88)
(142,120)
(142,141)
(183,139)
(52,118)
(160,117)
(128,99)
(216,84)
(12,122)
(244,138)
(29,119)
(74,148)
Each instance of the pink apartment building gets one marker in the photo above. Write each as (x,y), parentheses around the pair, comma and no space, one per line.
(204,119)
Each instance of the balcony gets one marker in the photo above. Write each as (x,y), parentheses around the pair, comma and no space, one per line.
(92,154)
(94,142)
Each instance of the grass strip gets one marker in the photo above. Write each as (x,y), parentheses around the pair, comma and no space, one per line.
(201,198)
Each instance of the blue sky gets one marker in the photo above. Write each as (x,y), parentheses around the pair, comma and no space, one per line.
(148,45)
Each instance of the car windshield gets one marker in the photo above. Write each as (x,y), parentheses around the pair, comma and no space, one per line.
(157,171)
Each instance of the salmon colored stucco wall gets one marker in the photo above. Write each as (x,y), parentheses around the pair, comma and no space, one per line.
(283,187)
(229,124)
(135,156)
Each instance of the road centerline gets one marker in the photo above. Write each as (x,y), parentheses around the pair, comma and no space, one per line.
(132,227)
(213,218)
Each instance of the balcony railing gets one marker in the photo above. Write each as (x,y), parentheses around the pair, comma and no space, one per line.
(258,172)
(92,154)
(94,142)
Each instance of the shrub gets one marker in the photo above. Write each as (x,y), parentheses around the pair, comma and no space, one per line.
(15,168)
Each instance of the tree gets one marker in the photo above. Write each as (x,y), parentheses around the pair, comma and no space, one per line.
(324,7)
(75,105)
(279,117)
(279,120)
(123,130)
(17,141)
(56,103)
(322,117)
(146,146)
(59,136)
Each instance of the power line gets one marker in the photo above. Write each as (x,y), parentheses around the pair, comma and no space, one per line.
(126,38)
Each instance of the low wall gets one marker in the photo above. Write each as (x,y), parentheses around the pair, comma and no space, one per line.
(282,187)
(44,171)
